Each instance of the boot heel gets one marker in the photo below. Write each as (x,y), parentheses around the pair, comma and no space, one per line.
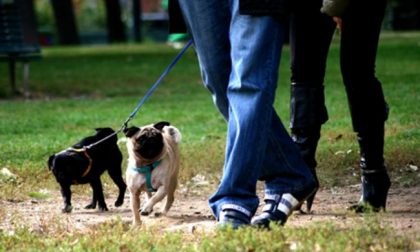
(310,201)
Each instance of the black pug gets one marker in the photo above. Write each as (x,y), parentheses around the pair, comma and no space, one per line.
(81,166)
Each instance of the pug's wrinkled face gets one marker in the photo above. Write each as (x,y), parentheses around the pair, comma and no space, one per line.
(147,141)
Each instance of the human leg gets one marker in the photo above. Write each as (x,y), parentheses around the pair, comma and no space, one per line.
(208,24)
(257,142)
(310,36)
(288,186)
(249,94)
(369,111)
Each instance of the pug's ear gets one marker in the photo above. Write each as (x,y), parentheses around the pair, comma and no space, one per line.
(129,132)
(50,162)
(160,125)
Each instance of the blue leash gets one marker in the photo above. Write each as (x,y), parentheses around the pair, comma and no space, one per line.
(148,94)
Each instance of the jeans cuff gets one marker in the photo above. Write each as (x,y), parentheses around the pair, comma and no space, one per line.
(238,208)
(272,191)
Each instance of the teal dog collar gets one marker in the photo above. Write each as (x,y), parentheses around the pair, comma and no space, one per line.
(147,170)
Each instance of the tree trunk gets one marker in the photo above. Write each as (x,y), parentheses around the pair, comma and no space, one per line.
(65,22)
(116,31)
(137,22)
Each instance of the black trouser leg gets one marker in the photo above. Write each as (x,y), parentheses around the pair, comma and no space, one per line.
(359,43)
(310,36)
(369,111)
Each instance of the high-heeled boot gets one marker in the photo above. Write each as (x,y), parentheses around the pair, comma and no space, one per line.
(307,141)
(369,111)
(307,114)
(375,179)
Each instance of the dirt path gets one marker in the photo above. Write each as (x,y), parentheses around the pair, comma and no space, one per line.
(190,211)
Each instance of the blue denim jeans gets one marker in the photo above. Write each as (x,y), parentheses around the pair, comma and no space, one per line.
(239,59)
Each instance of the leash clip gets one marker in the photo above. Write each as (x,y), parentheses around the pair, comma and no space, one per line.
(124,126)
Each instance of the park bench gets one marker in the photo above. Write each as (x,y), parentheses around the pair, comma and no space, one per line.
(18,39)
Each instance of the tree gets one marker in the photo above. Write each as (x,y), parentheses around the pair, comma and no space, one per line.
(65,22)
(116,31)
(137,22)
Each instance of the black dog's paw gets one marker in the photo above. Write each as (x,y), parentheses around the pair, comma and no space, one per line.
(103,209)
(67,209)
(119,203)
(90,206)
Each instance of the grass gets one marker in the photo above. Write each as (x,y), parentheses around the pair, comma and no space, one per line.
(80,88)
(76,89)
(117,236)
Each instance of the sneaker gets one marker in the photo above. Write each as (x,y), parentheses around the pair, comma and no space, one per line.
(278,208)
(234,216)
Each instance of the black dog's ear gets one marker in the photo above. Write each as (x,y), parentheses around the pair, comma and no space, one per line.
(129,132)
(104,132)
(107,130)
(50,162)
(160,125)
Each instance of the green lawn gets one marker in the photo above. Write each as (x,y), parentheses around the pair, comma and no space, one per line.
(77,89)
(117,236)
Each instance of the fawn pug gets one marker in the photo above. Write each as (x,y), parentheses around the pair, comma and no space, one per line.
(153,165)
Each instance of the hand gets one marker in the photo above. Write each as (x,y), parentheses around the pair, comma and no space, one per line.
(339,23)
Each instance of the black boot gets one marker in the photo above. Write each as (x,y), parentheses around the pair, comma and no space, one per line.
(375,179)
(307,114)
(375,188)
(307,141)
(369,111)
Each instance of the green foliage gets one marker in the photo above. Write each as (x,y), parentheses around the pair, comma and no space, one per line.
(44,15)
(39,195)
(89,14)
(366,235)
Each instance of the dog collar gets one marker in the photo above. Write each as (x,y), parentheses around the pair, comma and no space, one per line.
(84,151)
(147,170)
